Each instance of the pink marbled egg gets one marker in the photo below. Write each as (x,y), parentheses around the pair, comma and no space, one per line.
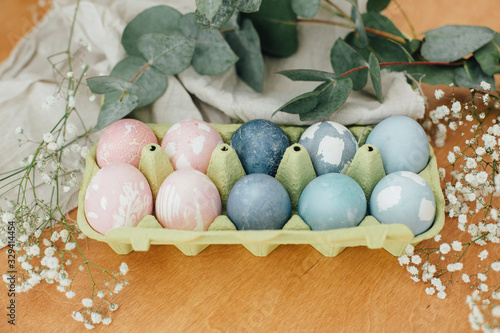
(118,196)
(187,200)
(122,141)
(189,144)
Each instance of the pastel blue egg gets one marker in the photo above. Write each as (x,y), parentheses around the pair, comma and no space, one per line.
(332,201)
(402,143)
(258,202)
(260,145)
(331,146)
(404,197)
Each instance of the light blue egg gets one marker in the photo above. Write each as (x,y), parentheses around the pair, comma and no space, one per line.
(331,146)
(404,197)
(402,143)
(258,202)
(332,201)
(260,145)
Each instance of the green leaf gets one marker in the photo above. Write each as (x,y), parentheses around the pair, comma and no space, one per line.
(414,45)
(344,58)
(208,8)
(380,22)
(301,104)
(333,97)
(152,83)
(168,53)
(306,8)
(224,13)
(388,50)
(453,42)
(432,74)
(309,75)
(377,5)
(375,76)
(471,75)
(488,56)
(276,23)
(246,44)
(360,28)
(110,84)
(116,106)
(248,6)
(163,19)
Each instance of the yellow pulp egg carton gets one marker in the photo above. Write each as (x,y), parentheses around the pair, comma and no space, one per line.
(295,172)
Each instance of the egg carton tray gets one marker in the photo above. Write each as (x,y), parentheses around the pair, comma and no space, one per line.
(295,172)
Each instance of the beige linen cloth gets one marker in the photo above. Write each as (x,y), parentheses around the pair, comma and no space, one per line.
(27,81)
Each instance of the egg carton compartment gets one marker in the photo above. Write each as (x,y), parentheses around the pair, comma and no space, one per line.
(295,172)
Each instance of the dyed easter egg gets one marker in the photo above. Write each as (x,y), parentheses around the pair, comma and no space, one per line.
(187,200)
(258,202)
(122,141)
(118,196)
(331,146)
(189,144)
(260,145)
(404,197)
(402,143)
(332,201)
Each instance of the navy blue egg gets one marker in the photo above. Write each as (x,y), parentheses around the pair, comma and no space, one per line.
(331,146)
(258,202)
(332,201)
(260,145)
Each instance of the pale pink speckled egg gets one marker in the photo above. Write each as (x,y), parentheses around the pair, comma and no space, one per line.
(187,200)
(189,144)
(118,196)
(122,141)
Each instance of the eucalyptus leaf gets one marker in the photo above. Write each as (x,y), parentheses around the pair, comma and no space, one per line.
(245,42)
(276,23)
(208,8)
(414,45)
(301,104)
(379,22)
(168,53)
(432,74)
(223,15)
(111,84)
(163,19)
(248,6)
(471,75)
(388,50)
(375,76)
(453,42)
(332,98)
(360,28)
(152,83)
(306,8)
(488,56)
(344,58)
(116,106)
(309,75)
(377,5)
(212,55)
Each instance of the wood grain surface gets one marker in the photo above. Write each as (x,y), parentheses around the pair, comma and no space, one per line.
(227,289)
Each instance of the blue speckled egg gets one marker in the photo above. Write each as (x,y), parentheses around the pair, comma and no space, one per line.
(332,201)
(260,145)
(330,145)
(404,197)
(402,143)
(258,202)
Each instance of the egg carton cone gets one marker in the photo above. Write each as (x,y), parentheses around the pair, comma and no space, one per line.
(294,172)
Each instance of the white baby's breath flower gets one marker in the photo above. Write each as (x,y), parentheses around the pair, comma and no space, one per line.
(412,270)
(52,146)
(495,312)
(70,246)
(87,302)
(437,238)
(77,316)
(100,294)
(55,236)
(96,317)
(123,268)
(430,291)
(84,152)
(70,294)
(469,117)
(455,267)
(92,98)
(482,277)
(483,287)
(444,248)
(404,260)
(89,326)
(118,287)
(485,85)
(113,306)
(495,266)
(49,102)
(48,137)
(19,130)
(8,217)
(106,321)
(483,255)
(451,157)
(456,246)
(71,128)
(416,259)
(456,107)
(441,295)
(438,93)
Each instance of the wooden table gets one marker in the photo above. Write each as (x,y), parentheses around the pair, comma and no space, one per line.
(226,288)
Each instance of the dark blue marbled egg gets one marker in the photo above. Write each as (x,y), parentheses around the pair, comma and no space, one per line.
(330,145)
(258,202)
(404,197)
(260,145)
(332,201)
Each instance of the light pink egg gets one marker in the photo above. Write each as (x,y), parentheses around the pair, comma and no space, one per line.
(118,196)
(189,144)
(187,200)
(122,141)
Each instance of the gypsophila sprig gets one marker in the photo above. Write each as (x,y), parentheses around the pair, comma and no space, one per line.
(46,242)
(471,186)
